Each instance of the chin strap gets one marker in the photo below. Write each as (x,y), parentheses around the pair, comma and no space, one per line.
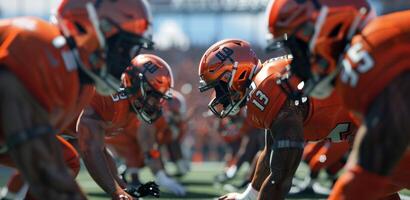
(318,26)
(93,16)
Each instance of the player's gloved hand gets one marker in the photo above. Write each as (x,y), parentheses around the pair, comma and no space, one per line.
(170,184)
(150,188)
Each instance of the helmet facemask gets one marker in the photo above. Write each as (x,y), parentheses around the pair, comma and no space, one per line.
(324,74)
(113,55)
(226,101)
(148,102)
(313,60)
(123,46)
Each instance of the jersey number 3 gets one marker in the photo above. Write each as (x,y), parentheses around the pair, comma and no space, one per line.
(261,100)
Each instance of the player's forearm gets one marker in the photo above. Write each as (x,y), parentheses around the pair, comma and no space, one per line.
(262,170)
(146,138)
(98,168)
(92,151)
(113,169)
(155,165)
(284,163)
(55,180)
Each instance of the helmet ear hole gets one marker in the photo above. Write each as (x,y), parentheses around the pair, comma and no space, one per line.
(242,76)
(238,43)
(335,31)
(81,30)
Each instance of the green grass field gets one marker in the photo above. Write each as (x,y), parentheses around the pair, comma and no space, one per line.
(199,183)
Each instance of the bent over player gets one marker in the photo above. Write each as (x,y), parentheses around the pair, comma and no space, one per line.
(145,85)
(233,70)
(365,61)
(46,76)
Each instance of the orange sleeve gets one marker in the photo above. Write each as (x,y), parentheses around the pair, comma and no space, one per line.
(376,57)
(104,106)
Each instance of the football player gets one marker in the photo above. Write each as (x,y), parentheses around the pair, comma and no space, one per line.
(145,85)
(176,115)
(169,130)
(52,69)
(232,69)
(366,62)
(244,142)
(153,138)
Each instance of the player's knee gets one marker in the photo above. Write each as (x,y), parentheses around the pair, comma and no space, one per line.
(74,165)
(72,161)
(315,165)
(15,183)
(357,183)
(71,157)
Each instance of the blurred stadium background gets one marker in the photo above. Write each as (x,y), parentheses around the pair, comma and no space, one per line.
(183,30)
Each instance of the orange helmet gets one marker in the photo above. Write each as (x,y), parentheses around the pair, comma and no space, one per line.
(104,36)
(316,33)
(228,66)
(148,81)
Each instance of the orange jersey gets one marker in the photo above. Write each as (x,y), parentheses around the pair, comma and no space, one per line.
(35,52)
(87,93)
(377,55)
(29,50)
(167,131)
(115,111)
(163,133)
(326,118)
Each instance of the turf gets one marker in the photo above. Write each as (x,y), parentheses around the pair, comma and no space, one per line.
(199,183)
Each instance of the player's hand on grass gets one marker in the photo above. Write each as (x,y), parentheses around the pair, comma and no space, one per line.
(121,195)
(249,194)
(170,184)
(231,196)
(147,189)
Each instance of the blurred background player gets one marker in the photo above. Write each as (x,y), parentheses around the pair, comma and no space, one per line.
(177,115)
(146,83)
(345,53)
(128,146)
(154,137)
(243,143)
(60,78)
(232,69)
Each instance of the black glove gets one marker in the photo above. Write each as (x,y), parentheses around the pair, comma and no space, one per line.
(150,188)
